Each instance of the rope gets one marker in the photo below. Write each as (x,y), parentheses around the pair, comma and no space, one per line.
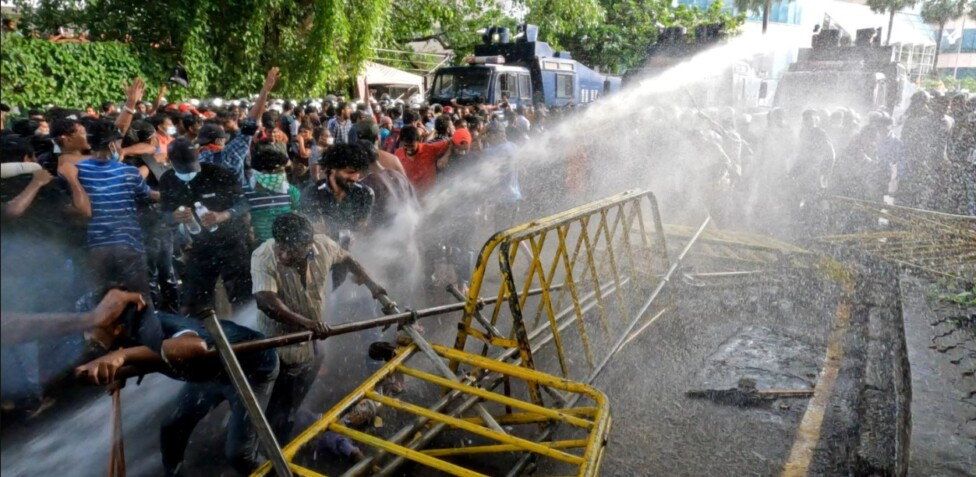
(116,456)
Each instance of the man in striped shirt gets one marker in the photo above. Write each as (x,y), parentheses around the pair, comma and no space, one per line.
(290,273)
(114,235)
(270,194)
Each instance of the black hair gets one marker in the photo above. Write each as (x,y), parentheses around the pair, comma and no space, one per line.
(370,147)
(356,116)
(35,112)
(409,117)
(442,124)
(189,120)
(15,148)
(473,121)
(106,105)
(267,158)
(268,119)
(342,156)
(342,105)
(409,133)
(292,229)
(330,111)
(25,127)
(64,127)
(395,113)
(157,120)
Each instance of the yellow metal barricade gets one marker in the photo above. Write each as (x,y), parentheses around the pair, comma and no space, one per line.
(601,253)
(939,244)
(573,280)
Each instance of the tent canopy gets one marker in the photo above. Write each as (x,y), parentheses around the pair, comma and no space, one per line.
(376,74)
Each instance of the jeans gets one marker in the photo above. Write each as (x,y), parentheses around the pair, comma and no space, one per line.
(290,389)
(206,262)
(195,401)
(162,276)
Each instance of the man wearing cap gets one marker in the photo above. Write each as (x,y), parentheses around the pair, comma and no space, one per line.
(212,139)
(220,249)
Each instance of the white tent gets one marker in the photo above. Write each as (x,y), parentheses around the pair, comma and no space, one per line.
(388,78)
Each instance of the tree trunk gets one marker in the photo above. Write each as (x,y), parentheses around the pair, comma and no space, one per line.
(938,48)
(766,15)
(891,23)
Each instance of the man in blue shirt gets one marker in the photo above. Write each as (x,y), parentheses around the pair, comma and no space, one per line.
(114,235)
(214,147)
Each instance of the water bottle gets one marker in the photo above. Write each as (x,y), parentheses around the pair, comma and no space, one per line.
(193,227)
(201,209)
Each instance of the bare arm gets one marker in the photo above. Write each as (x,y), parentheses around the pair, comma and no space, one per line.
(133,94)
(159,99)
(360,276)
(270,304)
(79,198)
(21,327)
(16,207)
(258,109)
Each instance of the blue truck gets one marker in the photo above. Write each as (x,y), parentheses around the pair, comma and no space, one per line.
(525,71)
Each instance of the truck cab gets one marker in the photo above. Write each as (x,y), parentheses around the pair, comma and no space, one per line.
(526,71)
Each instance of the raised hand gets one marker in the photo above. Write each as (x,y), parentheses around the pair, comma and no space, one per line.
(134,91)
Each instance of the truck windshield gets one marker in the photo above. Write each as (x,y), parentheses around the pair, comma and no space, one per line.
(466,84)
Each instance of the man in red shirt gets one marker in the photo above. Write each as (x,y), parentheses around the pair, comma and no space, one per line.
(421,161)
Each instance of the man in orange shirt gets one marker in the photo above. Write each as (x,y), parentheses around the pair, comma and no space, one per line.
(421,161)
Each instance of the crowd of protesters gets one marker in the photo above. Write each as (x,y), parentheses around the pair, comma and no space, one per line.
(155,210)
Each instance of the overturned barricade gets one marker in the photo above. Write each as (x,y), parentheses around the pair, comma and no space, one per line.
(562,296)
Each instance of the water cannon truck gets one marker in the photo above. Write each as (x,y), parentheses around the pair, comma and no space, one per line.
(863,76)
(522,69)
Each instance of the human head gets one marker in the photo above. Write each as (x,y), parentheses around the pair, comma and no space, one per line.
(104,136)
(495,132)
(810,119)
(108,108)
(183,156)
(345,164)
(386,123)
(344,111)
(410,139)
(163,124)
(368,130)
(191,124)
(293,235)
(268,159)
(211,134)
(228,121)
(16,149)
(305,132)
(70,135)
(462,142)
(325,138)
(443,125)
(140,131)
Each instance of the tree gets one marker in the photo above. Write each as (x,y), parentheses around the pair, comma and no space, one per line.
(757,6)
(631,27)
(892,7)
(941,12)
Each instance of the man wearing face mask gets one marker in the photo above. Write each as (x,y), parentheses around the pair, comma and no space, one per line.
(220,249)
(165,132)
(233,154)
(115,240)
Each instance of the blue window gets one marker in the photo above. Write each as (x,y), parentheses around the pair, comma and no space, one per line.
(968,42)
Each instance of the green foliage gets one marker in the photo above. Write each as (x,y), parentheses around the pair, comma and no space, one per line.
(39,72)
(940,12)
(228,45)
(621,42)
(948,83)
(963,294)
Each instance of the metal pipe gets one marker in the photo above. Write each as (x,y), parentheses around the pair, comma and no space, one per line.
(131,371)
(269,445)
(524,460)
